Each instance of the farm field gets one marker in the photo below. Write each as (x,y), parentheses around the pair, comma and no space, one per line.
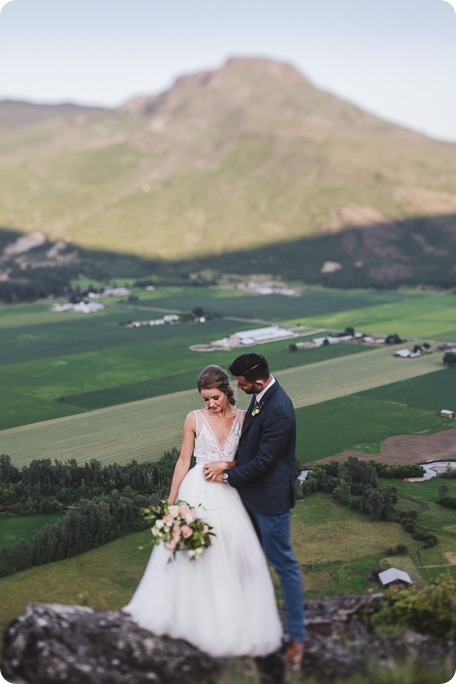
(78,386)
(405,407)
(143,430)
(94,362)
(425,315)
(327,543)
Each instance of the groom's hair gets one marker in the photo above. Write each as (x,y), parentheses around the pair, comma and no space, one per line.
(251,366)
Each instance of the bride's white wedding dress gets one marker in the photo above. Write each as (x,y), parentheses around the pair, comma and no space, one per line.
(223,602)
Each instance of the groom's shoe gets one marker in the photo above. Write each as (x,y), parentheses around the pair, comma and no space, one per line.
(294,652)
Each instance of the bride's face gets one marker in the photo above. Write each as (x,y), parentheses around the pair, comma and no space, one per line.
(214,400)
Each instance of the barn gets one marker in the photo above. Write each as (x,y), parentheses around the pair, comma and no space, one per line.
(394,578)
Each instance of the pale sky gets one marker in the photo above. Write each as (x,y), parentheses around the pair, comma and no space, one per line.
(393,58)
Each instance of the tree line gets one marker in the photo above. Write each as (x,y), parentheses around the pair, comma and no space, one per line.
(99,504)
(44,486)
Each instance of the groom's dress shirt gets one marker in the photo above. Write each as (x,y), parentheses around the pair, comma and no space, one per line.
(260,395)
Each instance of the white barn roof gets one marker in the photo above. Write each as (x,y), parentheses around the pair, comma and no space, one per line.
(393,575)
(271,332)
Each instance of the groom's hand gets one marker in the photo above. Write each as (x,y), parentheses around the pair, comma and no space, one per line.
(214,469)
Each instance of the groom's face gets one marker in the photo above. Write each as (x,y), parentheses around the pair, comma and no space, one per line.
(247,386)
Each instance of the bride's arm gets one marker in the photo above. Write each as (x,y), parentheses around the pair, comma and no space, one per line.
(185,456)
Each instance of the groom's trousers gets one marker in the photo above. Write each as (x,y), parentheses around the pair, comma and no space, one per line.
(275,538)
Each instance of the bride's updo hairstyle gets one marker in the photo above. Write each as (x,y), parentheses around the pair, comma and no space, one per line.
(214,377)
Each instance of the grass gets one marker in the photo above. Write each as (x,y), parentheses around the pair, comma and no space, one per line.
(326,539)
(424,491)
(347,423)
(411,314)
(337,547)
(377,673)
(432,392)
(13,528)
(165,382)
(103,578)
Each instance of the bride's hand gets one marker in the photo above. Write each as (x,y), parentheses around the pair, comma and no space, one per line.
(214,469)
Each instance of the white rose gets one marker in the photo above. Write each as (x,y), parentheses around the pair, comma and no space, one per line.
(159,524)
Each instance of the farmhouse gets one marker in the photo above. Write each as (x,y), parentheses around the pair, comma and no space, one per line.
(394,578)
(446,413)
(329,339)
(406,354)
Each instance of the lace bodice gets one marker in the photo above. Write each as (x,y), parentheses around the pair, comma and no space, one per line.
(207,446)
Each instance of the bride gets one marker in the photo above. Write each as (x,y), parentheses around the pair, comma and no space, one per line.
(223,602)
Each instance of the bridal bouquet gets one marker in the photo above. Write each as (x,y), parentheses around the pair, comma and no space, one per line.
(179,527)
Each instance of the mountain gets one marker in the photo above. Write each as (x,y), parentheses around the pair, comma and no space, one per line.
(241,159)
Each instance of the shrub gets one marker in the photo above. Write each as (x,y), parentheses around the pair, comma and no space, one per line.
(410,527)
(431,610)
(430,541)
(448,501)
(399,549)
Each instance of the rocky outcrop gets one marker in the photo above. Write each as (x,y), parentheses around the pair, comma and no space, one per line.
(75,644)
(50,644)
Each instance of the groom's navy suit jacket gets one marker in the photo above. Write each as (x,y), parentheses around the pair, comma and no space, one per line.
(265,473)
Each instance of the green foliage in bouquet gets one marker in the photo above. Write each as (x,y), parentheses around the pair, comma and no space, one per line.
(180,528)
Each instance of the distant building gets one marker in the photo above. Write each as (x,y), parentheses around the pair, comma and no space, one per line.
(394,578)
(446,413)
(80,307)
(246,338)
(406,354)
(329,339)
(116,292)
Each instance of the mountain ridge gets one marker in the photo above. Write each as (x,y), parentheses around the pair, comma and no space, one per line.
(238,158)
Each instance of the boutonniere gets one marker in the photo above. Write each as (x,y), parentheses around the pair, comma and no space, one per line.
(256,409)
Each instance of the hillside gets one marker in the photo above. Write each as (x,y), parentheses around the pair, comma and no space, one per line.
(249,156)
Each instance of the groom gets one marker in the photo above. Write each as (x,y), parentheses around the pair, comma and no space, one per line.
(265,477)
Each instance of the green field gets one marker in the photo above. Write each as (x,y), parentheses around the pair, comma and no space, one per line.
(429,392)
(347,423)
(24,526)
(429,316)
(78,386)
(143,430)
